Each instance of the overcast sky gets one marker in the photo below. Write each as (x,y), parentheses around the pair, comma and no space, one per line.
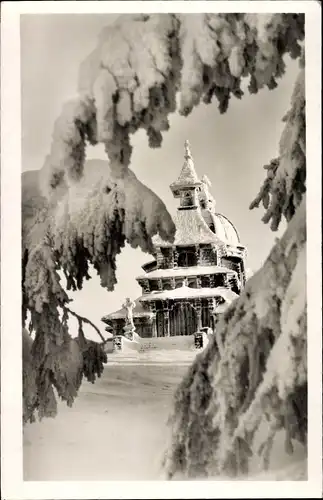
(230,149)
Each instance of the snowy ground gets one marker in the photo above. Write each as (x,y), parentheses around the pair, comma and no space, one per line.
(116,429)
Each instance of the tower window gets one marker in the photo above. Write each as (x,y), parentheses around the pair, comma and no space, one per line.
(188,198)
(187,259)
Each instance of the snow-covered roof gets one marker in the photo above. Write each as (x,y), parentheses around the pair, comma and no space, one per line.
(188,176)
(185,292)
(225,229)
(193,224)
(151,263)
(191,229)
(137,312)
(185,271)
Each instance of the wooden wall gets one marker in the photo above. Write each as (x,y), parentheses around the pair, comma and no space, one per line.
(208,256)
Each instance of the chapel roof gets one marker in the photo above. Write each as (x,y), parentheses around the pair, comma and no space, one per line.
(193,224)
(185,292)
(191,229)
(186,271)
(223,227)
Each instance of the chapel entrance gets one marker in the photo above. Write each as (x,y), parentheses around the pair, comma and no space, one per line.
(183,319)
(160,324)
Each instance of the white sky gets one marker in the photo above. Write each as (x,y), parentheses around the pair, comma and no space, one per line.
(230,149)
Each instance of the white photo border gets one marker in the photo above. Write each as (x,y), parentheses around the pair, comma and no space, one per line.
(13,486)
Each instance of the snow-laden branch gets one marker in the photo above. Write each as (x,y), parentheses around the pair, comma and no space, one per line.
(131,79)
(284,186)
(260,373)
(262,366)
(82,319)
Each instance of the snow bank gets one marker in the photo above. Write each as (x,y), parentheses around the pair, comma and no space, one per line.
(168,343)
(130,345)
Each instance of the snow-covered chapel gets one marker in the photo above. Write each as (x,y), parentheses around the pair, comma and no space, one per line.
(192,280)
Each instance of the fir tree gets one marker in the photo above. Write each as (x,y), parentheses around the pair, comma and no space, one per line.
(254,371)
(131,81)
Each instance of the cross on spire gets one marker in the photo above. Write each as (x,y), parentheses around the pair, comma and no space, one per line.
(188,153)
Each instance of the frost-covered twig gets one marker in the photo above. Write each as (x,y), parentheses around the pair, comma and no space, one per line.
(82,319)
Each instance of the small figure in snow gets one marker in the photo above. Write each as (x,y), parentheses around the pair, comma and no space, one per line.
(129,306)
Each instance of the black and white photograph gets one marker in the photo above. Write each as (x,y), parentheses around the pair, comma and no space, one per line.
(164,261)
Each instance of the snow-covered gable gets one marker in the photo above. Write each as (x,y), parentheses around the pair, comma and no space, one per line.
(191,229)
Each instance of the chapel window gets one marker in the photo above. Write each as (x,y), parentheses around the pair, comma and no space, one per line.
(187,259)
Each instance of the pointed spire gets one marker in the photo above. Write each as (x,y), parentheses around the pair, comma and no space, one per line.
(188,176)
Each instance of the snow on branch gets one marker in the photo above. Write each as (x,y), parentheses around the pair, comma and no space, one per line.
(284,186)
(96,217)
(82,319)
(260,373)
(88,223)
(131,79)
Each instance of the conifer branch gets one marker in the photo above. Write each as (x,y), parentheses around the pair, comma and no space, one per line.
(87,321)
